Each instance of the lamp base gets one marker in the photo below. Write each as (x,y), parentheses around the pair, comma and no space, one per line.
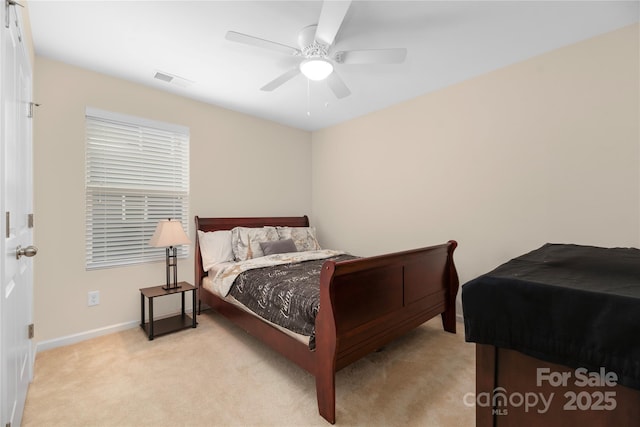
(172,262)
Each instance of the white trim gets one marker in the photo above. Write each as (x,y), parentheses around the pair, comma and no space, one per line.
(139,121)
(94,333)
(82,336)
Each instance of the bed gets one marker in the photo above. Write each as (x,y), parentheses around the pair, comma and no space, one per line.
(364,303)
(557,333)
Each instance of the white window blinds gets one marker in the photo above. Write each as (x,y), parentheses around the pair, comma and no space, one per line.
(137,173)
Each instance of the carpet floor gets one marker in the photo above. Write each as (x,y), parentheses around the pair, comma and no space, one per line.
(217,375)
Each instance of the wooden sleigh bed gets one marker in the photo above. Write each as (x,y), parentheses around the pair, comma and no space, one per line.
(364,304)
(557,333)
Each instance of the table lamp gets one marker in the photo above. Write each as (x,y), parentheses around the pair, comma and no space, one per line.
(168,235)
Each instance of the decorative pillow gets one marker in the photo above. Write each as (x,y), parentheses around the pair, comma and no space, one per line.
(303,237)
(245,241)
(278,247)
(215,247)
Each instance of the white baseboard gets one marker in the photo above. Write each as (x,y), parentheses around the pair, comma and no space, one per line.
(82,336)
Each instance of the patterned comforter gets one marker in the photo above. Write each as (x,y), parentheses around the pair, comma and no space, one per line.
(286,294)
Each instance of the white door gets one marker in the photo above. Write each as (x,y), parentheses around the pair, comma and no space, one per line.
(16,200)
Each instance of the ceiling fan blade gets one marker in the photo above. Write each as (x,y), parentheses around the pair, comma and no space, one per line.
(372,56)
(331,17)
(255,41)
(280,80)
(337,86)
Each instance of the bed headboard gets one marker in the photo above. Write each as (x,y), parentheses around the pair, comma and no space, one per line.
(214,224)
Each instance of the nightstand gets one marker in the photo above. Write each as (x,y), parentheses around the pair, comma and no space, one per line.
(167,324)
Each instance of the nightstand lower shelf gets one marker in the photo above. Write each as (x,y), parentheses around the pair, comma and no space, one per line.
(168,325)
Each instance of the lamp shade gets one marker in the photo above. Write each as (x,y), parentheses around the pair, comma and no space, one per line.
(316,68)
(169,233)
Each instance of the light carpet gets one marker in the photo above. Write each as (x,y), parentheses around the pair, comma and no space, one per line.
(217,375)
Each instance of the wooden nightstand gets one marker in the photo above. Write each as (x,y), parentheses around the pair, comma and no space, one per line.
(167,324)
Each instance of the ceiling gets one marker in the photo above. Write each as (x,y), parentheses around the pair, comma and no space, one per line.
(447,42)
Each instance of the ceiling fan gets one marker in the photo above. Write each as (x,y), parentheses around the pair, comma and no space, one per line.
(317,53)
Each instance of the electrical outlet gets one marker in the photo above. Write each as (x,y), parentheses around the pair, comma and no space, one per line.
(93,298)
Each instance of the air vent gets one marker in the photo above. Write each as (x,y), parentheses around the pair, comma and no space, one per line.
(172,79)
(164,77)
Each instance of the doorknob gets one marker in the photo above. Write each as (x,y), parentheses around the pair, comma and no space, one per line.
(29,251)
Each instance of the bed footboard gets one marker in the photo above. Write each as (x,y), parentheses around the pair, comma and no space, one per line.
(366,303)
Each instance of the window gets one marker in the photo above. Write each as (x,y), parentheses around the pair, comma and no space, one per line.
(137,173)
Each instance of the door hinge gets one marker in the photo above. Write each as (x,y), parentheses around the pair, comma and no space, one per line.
(31,105)
(7,3)
(7,224)
(31,331)
(30,220)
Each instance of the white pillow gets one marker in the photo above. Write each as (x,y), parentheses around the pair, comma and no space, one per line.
(245,241)
(215,247)
(303,237)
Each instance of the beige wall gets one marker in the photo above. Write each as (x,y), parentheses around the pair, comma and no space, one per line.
(546,150)
(232,161)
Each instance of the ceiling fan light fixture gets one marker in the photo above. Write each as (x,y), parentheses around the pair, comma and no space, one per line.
(316,68)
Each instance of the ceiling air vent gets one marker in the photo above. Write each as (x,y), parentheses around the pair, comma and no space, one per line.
(164,77)
(173,79)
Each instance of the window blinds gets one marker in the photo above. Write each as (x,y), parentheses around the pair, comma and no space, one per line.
(137,173)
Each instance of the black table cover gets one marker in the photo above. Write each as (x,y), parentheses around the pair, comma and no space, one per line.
(573,305)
